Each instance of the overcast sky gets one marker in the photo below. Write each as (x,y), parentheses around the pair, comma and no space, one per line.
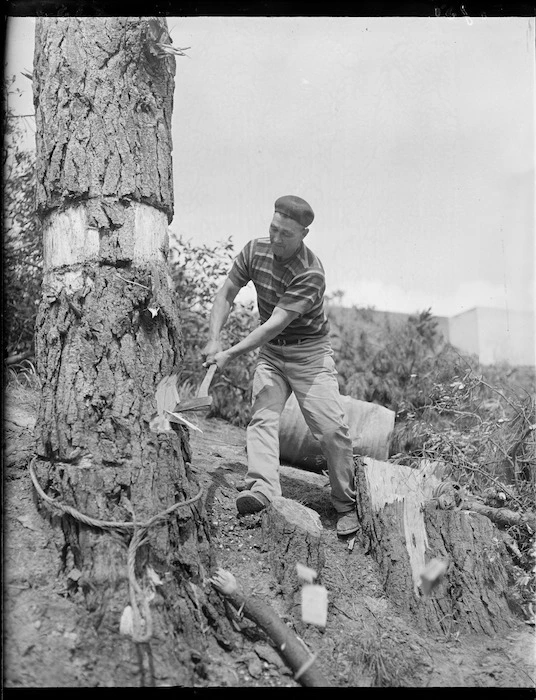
(411,137)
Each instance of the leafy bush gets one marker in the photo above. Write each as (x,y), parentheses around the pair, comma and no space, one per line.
(21,240)
(198,272)
(479,422)
(392,365)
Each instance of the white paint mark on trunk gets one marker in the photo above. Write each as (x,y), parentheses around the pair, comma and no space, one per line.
(68,240)
(150,234)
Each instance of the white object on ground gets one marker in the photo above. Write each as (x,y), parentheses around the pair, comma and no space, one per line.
(314,604)
(305,573)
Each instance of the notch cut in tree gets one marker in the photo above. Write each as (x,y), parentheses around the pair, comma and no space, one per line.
(105,198)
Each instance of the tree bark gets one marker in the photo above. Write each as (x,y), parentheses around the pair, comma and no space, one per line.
(292,534)
(403,528)
(108,330)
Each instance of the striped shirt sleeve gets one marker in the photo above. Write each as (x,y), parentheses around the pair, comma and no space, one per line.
(240,273)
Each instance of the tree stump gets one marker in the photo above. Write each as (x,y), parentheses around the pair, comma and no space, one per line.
(292,533)
(404,529)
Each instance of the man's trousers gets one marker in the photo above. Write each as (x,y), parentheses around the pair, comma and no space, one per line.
(309,371)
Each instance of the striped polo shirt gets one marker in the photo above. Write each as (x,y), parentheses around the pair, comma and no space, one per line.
(297,284)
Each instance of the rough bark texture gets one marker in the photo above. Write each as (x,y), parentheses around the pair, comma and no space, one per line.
(293,534)
(103,115)
(403,522)
(108,330)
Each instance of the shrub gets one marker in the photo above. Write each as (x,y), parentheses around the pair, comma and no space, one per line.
(21,240)
(197,272)
(395,365)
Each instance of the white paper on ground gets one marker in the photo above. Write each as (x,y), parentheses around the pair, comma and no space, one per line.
(314,604)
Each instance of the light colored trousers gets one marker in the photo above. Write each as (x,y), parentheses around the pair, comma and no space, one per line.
(309,371)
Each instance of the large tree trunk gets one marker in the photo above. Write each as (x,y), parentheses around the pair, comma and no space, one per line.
(108,330)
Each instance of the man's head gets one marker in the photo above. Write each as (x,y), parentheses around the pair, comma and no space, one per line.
(292,216)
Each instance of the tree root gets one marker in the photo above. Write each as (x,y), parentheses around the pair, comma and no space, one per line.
(291,648)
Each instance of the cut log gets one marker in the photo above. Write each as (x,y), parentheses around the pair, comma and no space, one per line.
(404,529)
(371,427)
(292,534)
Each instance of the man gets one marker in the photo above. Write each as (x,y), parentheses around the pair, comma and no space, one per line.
(295,356)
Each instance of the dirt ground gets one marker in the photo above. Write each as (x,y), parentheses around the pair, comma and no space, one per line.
(366,642)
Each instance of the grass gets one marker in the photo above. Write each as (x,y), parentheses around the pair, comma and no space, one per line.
(22,386)
(378,659)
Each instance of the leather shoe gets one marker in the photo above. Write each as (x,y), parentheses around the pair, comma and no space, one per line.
(347,523)
(251,502)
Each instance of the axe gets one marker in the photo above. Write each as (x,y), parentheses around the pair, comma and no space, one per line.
(202,399)
(167,396)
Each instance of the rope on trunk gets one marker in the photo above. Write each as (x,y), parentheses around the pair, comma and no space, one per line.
(142,626)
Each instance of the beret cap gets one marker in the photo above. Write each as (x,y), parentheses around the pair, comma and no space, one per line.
(295,207)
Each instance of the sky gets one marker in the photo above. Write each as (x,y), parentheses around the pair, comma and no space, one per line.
(412,138)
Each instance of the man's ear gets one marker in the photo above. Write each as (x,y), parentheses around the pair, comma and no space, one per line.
(305,232)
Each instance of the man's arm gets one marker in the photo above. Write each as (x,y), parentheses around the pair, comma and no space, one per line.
(271,328)
(223,303)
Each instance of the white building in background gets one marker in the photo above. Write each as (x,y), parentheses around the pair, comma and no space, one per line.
(494,335)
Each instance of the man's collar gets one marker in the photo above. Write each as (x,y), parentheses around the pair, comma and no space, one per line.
(286,261)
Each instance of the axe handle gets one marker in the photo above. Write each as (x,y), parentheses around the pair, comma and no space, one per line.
(203,389)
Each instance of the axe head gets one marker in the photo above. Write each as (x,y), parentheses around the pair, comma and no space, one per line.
(167,395)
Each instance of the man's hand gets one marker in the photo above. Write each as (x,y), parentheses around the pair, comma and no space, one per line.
(221,359)
(212,348)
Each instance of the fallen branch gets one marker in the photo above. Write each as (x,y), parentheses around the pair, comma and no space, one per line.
(501,516)
(291,648)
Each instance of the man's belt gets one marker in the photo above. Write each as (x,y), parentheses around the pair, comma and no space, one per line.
(293,341)
(286,341)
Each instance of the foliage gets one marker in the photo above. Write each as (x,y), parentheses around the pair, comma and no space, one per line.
(21,237)
(485,438)
(197,272)
(446,405)
(477,421)
(22,386)
(394,365)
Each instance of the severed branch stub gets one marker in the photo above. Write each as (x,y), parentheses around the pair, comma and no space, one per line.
(291,648)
